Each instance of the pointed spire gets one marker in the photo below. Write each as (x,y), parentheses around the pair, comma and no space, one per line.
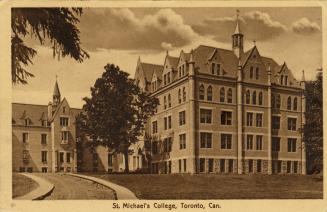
(139,60)
(237,29)
(56,94)
(167,53)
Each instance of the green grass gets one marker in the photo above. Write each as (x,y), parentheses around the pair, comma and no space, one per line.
(210,186)
(21,185)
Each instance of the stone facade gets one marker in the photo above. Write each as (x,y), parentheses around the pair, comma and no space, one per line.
(224,105)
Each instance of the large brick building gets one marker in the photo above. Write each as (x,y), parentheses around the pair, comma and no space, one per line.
(224,111)
(45,139)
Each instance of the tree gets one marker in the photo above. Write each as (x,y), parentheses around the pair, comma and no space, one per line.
(57,25)
(313,129)
(116,114)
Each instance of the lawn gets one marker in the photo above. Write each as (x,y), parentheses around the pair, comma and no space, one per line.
(21,185)
(210,186)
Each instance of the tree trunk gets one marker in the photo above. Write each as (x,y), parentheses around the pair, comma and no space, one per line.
(126,161)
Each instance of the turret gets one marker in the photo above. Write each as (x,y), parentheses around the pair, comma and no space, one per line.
(237,38)
(191,64)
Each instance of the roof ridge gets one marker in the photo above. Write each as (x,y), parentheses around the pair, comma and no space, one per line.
(17,103)
(151,64)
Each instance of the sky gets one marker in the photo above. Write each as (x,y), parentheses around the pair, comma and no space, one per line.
(120,35)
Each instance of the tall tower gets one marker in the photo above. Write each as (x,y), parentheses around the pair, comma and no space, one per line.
(237,38)
(56,95)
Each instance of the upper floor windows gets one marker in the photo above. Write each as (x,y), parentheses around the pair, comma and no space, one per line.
(247,97)
(295,104)
(205,140)
(226,118)
(222,94)
(260,98)
(284,80)
(182,118)
(167,78)
(254,97)
(257,72)
(184,94)
(205,116)
(154,127)
(215,69)
(169,101)
(209,93)
(291,124)
(181,70)
(64,121)
(179,96)
(201,92)
(275,101)
(254,74)
(229,95)
(289,103)
(251,72)
(165,102)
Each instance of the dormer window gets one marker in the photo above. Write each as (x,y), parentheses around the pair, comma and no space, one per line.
(215,69)
(183,70)
(286,82)
(63,109)
(27,122)
(281,79)
(257,73)
(168,77)
(64,121)
(251,72)
(43,123)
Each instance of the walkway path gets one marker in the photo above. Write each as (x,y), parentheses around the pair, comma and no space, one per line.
(121,192)
(44,188)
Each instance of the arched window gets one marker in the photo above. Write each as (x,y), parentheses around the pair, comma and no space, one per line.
(247,97)
(289,103)
(278,101)
(169,100)
(257,73)
(201,92)
(229,95)
(222,94)
(165,102)
(209,93)
(260,98)
(295,104)
(179,96)
(273,102)
(254,97)
(184,94)
(281,79)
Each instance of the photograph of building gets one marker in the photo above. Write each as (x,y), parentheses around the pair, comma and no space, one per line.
(225,111)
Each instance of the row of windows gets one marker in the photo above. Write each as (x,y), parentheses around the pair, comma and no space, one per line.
(28,122)
(258,119)
(206,117)
(291,167)
(276,102)
(44,156)
(291,144)
(254,74)
(207,165)
(182,70)
(291,123)
(64,137)
(254,97)
(210,94)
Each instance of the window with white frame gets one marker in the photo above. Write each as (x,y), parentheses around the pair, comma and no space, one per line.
(182,141)
(249,119)
(249,142)
(205,116)
(226,118)
(291,145)
(258,142)
(291,124)
(225,141)
(259,120)
(182,118)
(205,140)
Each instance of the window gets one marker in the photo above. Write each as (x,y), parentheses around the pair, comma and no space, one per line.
(230,165)
(254,98)
(260,98)
(251,72)
(180,165)
(275,144)
(273,101)
(218,69)
(63,109)
(281,79)
(201,92)
(213,65)
(249,142)
(169,122)
(222,94)
(291,124)
(247,97)
(286,82)
(165,102)
(165,123)
(288,166)
(183,71)
(226,118)
(276,122)
(222,165)
(229,95)
(259,142)
(165,79)
(167,144)
(27,121)
(44,156)
(43,139)
(63,121)
(168,77)
(226,141)
(155,147)
(205,140)
(209,93)
(184,94)
(61,157)
(182,141)
(184,162)
(210,165)
(259,119)
(249,119)
(110,159)
(68,155)
(289,103)
(182,118)
(64,136)
(179,96)
(25,155)
(291,145)
(44,169)
(259,166)
(250,166)
(295,104)
(205,116)
(169,101)
(154,127)
(278,101)
(25,137)
(257,73)
(202,164)
(295,167)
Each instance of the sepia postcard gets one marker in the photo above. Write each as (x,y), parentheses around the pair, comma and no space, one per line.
(162,106)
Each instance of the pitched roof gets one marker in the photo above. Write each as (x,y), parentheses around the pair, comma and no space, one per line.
(34,112)
(173,61)
(148,70)
(228,58)
(56,91)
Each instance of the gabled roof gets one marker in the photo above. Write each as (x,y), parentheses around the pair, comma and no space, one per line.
(56,91)
(149,68)
(173,61)
(33,112)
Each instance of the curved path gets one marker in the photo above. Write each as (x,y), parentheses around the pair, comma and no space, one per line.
(72,188)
